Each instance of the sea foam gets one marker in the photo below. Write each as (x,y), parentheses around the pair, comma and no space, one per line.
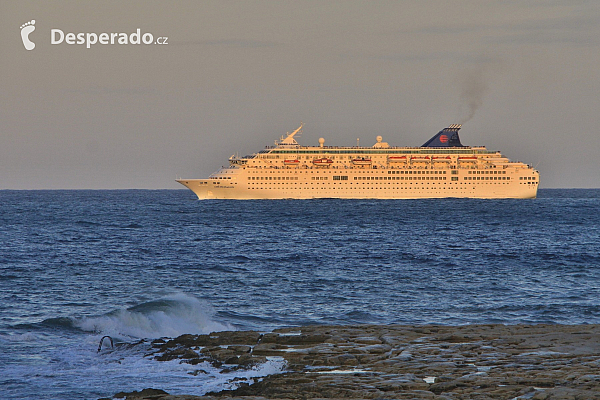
(169,316)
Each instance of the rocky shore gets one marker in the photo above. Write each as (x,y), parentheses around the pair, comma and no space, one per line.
(400,362)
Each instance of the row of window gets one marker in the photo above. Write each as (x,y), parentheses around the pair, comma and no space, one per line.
(345,178)
(370,172)
(434,171)
(377,178)
(487,172)
(383,184)
(486,178)
(278,178)
(375,187)
(402,178)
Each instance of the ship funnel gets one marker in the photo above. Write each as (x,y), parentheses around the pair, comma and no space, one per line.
(447,137)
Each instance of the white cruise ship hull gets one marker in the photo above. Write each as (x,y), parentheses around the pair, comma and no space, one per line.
(430,171)
(383,189)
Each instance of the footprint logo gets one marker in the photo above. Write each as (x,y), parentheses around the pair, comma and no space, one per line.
(26,29)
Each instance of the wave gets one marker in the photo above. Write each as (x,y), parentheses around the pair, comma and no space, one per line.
(169,316)
(87,223)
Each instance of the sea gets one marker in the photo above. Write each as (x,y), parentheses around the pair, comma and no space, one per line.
(136,265)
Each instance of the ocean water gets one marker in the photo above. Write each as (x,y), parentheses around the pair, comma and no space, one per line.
(138,264)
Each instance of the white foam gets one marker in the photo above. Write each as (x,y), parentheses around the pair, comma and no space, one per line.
(171,316)
(225,381)
(67,369)
(541,353)
(343,371)
(24,337)
(294,333)
(70,363)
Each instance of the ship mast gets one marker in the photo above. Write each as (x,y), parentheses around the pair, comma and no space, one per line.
(289,140)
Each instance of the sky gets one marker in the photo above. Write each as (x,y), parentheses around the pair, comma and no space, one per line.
(233,76)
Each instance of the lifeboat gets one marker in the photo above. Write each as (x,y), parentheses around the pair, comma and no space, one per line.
(293,162)
(442,159)
(362,161)
(323,162)
(420,159)
(397,159)
(468,159)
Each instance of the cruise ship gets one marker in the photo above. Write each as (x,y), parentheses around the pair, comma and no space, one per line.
(441,167)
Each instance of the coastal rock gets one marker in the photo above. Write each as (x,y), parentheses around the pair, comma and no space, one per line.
(403,362)
(143,394)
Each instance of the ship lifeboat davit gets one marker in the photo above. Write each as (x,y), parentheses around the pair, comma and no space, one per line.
(420,159)
(322,162)
(397,159)
(442,159)
(291,163)
(467,159)
(362,161)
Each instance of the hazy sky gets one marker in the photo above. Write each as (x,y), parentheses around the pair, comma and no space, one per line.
(236,75)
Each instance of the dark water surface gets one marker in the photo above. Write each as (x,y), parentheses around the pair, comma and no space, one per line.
(75,265)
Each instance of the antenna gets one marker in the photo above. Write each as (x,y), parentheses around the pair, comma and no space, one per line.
(289,140)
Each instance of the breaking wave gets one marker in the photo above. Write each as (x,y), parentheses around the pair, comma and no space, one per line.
(169,316)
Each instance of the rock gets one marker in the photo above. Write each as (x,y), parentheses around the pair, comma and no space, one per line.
(367,340)
(181,352)
(301,339)
(342,360)
(542,362)
(240,349)
(377,348)
(267,349)
(144,394)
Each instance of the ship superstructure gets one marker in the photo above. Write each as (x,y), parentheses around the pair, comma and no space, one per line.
(441,167)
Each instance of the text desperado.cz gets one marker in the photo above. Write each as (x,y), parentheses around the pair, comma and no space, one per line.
(57,36)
